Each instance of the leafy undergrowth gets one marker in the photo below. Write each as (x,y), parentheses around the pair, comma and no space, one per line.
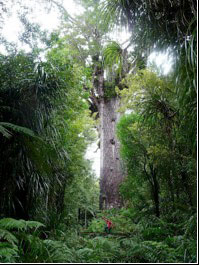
(151,240)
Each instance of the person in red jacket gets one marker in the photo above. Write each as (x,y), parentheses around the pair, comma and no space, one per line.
(108,226)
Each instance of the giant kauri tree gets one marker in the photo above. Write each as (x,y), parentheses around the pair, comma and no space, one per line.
(105,64)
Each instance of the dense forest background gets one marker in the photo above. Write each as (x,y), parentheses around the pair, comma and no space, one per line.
(78,85)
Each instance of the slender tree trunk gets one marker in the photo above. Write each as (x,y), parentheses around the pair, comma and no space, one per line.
(85,218)
(186,186)
(156,196)
(171,189)
(111,174)
(152,178)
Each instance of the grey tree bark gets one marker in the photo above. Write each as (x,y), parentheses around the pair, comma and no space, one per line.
(111,173)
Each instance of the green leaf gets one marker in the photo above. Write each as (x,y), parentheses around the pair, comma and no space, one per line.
(16,128)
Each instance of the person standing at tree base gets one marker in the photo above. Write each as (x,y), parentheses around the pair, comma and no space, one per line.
(108,226)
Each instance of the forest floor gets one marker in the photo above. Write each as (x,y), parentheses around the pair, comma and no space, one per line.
(135,240)
(137,237)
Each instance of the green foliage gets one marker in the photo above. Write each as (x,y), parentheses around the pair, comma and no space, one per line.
(10,223)
(152,27)
(75,126)
(109,90)
(44,99)
(185,79)
(15,128)
(113,57)
(12,234)
(25,99)
(47,251)
(148,240)
(147,19)
(46,126)
(153,145)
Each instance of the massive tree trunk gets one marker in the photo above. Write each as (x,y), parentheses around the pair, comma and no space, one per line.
(111,174)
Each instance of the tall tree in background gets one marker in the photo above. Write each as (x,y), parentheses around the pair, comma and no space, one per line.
(87,36)
(111,172)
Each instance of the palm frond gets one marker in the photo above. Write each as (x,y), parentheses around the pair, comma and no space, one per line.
(147,19)
(6,133)
(16,128)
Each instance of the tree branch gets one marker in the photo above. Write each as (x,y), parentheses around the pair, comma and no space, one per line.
(64,11)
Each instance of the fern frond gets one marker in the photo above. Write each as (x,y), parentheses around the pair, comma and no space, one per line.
(8,253)
(58,252)
(34,224)
(8,236)
(10,223)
